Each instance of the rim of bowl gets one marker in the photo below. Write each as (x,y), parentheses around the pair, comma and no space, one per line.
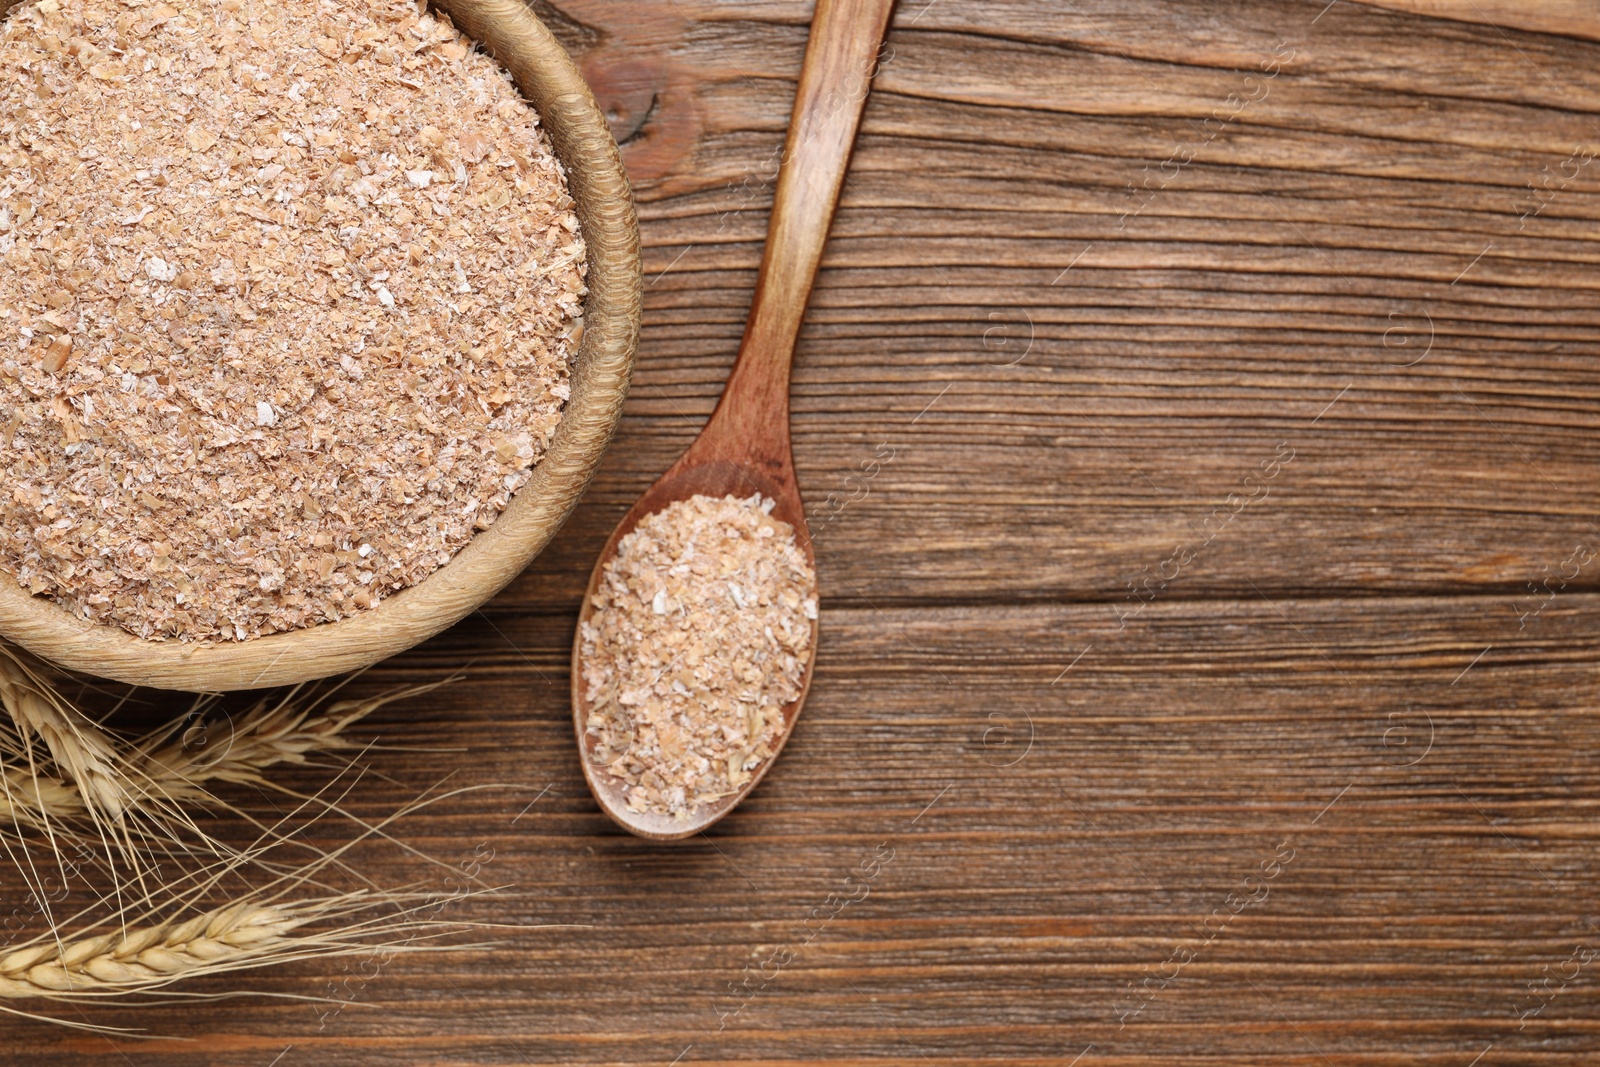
(551,83)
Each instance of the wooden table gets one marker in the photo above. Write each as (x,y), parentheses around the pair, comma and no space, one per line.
(1199,410)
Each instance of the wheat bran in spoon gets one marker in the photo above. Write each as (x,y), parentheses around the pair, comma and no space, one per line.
(700,634)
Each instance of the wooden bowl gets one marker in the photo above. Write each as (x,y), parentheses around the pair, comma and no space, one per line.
(581,139)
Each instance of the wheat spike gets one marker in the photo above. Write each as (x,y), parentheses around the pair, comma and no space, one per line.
(240,936)
(270,733)
(176,771)
(145,957)
(133,950)
(172,933)
(84,752)
(32,800)
(150,774)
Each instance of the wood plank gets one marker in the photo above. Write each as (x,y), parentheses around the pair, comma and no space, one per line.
(1063,349)
(1044,847)
(1576,17)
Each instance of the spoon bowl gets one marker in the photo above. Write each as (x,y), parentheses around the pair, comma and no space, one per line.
(699,472)
(744,449)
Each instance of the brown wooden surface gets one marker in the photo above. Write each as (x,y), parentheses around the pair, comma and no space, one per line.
(1350,671)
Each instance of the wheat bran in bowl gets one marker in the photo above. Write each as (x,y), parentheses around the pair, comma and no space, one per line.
(288,296)
(700,634)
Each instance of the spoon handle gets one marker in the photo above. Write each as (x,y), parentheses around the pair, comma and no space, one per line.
(841,58)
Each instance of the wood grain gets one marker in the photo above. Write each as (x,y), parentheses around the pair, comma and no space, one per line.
(1580,18)
(1054,399)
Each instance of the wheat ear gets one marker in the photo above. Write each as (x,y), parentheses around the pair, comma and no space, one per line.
(162,768)
(138,952)
(36,799)
(176,771)
(84,752)
(240,936)
(148,956)
(270,733)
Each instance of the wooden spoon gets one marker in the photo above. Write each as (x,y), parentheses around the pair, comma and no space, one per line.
(744,448)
